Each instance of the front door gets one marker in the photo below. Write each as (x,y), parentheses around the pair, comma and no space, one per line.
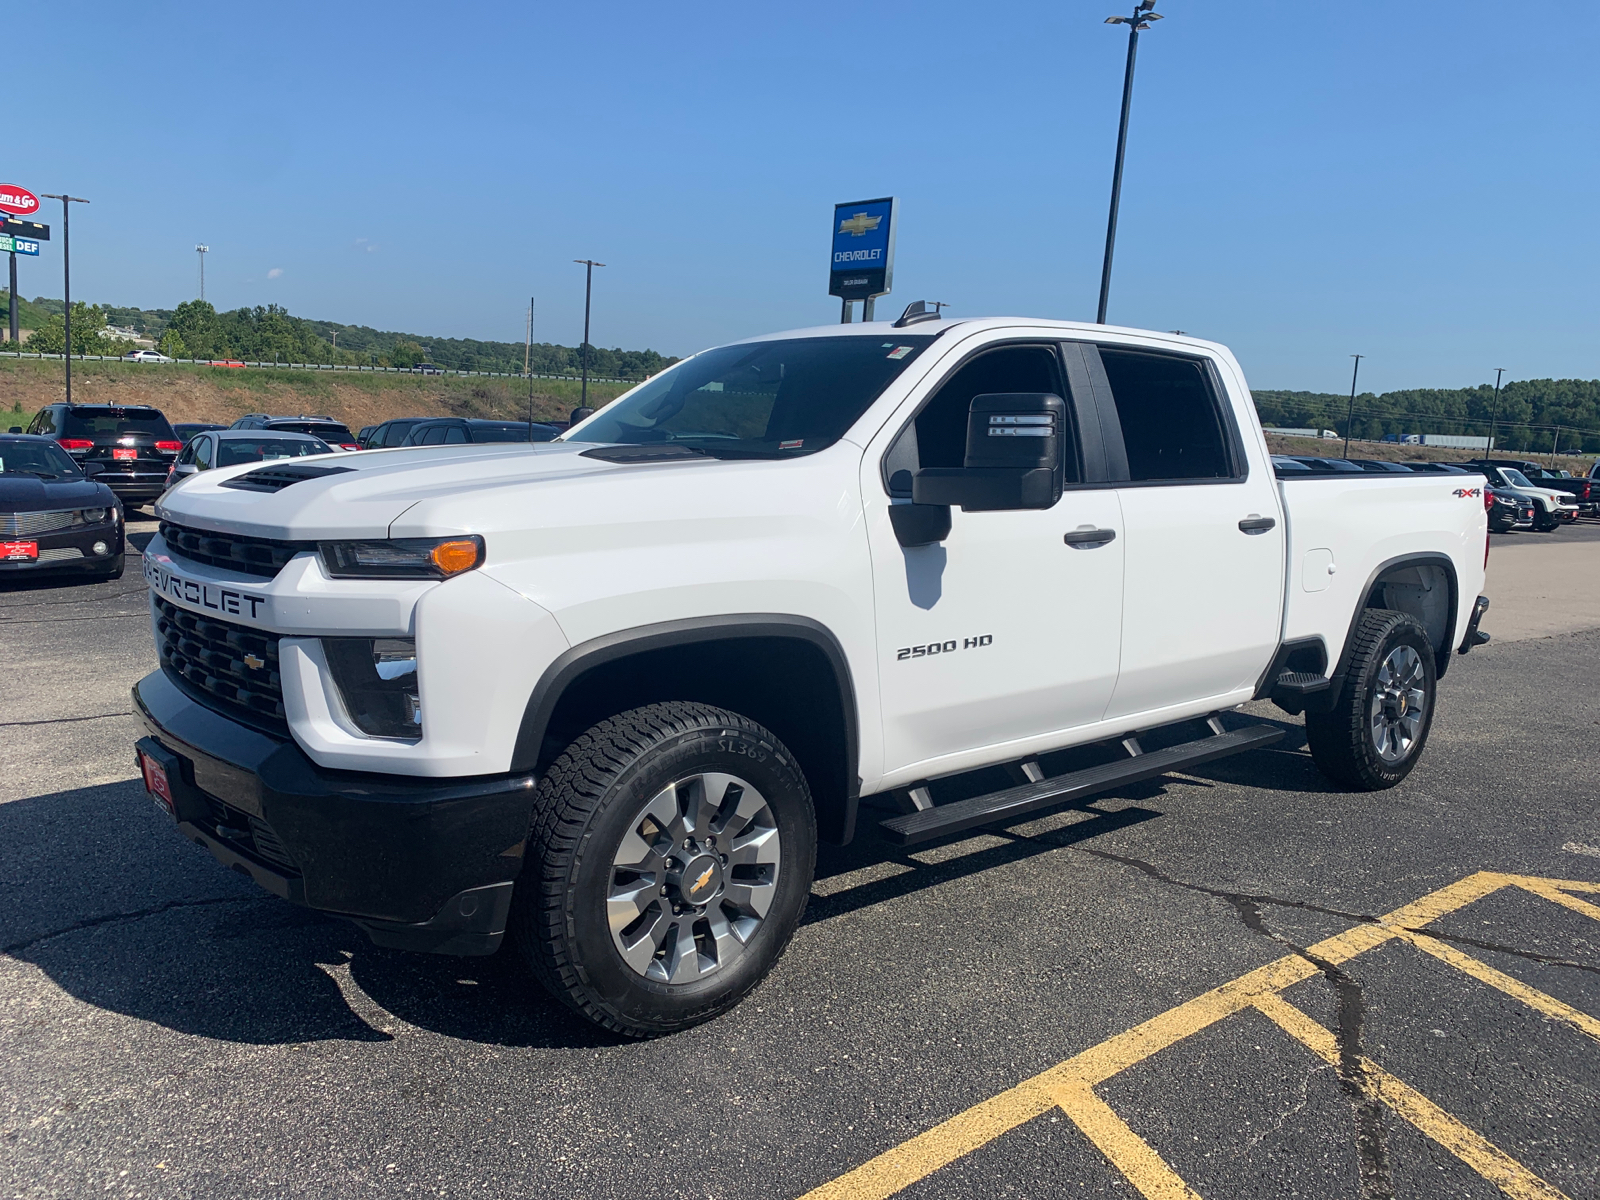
(1003,632)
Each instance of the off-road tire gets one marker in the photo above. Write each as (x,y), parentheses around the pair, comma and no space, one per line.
(1341,740)
(585,803)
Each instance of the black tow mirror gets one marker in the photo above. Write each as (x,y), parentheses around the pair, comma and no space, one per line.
(91,469)
(579,414)
(1013,459)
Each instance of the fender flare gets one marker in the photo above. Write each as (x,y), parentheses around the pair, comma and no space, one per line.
(579,659)
(1429,558)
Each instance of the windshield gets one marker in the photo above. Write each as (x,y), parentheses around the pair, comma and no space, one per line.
(90,421)
(44,459)
(233,451)
(1514,477)
(759,399)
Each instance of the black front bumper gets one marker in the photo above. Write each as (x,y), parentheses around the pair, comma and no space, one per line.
(81,538)
(419,864)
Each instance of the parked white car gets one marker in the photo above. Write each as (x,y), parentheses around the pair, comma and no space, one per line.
(1550,508)
(607,692)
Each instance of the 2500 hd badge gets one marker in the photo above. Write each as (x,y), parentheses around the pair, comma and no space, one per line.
(206,595)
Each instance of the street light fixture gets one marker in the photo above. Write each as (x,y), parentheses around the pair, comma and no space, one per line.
(66,272)
(1140,20)
(589,265)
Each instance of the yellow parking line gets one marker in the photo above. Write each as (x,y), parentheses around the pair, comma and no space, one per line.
(1067,1085)
(1128,1152)
(1484,973)
(1556,891)
(1477,1152)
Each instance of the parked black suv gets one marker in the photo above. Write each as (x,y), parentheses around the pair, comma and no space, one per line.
(391,433)
(326,428)
(127,447)
(454,431)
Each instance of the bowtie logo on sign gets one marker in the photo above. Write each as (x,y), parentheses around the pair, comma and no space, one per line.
(858,225)
(18,201)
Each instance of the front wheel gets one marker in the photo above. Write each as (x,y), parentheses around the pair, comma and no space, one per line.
(1372,736)
(669,863)
(1545,521)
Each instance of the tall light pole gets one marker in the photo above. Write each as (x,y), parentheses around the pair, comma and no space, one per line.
(588,290)
(1351,415)
(66,272)
(1141,18)
(1494,414)
(526,368)
(202,251)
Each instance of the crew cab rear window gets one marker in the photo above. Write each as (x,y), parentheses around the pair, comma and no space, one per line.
(325,430)
(87,422)
(1171,425)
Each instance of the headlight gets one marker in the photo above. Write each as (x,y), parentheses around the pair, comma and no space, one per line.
(377,680)
(402,558)
(91,516)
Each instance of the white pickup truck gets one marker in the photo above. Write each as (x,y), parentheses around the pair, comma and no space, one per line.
(606,693)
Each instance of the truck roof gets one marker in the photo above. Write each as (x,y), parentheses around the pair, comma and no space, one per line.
(1086,330)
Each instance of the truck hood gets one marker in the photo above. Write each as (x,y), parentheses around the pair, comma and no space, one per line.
(438,490)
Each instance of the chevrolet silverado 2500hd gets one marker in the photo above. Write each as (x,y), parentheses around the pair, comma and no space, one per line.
(606,693)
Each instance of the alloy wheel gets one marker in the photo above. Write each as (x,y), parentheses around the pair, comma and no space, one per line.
(693,878)
(1399,704)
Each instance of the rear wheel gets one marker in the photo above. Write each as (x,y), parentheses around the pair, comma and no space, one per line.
(1375,732)
(669,863)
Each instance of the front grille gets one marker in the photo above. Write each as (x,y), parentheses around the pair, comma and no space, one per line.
(250,834)
(219,658)
(62,554)
(251,555)
(20,524)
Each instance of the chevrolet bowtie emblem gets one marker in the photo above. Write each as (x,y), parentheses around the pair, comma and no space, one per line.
(858,225)
(704,878)
(254,663)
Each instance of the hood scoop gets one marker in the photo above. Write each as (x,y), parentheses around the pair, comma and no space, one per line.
(275,479)
(653,452)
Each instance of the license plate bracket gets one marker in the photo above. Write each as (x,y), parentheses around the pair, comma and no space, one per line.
(124,455)
(158,785)
(19,551)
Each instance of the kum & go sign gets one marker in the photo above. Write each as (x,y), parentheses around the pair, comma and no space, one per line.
(18,201)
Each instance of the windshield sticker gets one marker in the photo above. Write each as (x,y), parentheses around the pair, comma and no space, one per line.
(899,352)
(794,445)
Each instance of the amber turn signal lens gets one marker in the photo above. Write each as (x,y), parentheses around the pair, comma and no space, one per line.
(454,557)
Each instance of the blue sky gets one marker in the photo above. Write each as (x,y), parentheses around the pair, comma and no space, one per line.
(1304,181)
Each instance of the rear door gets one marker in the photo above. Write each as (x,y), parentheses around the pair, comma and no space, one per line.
(1003,632)
(1203,580)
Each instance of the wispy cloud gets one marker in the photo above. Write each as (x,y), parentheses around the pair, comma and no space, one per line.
(367,244)
(275,272)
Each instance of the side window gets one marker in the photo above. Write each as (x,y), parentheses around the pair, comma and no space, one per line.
(186,456)
(202,453)
(1171,425)
(434,436)
(937,436)
(454,434)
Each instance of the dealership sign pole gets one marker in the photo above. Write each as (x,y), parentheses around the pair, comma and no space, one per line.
(66,272)
(862,266)
(20,202)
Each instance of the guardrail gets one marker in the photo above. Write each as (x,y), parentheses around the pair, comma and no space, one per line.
(283,366)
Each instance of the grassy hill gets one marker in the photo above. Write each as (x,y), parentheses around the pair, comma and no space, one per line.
(196,393)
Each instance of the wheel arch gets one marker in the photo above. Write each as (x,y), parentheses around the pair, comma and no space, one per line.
(788,673)
(1407,583)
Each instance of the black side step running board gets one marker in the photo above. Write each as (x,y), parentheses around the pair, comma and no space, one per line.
(1015,802)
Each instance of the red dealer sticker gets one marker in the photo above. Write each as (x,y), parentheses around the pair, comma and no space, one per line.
(18,200)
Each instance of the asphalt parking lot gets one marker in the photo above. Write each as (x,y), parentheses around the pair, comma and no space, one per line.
(1237,982)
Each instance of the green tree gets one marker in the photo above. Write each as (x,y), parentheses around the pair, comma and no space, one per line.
(87,322)
(171,344)
(195,322)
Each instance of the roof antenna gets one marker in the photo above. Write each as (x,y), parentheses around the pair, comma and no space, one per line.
(918,311)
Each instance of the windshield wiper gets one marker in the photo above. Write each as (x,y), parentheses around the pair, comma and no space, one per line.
(24,471)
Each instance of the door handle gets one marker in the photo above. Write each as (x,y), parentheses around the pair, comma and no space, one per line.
(1255,524)
(1089,536)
